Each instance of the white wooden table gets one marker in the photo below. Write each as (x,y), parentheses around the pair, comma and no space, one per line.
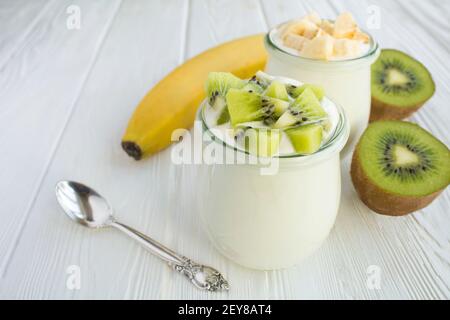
(65,99)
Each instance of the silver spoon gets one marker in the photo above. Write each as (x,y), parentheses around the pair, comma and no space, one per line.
(85,206)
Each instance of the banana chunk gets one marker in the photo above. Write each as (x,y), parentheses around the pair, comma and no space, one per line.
(320,47)
(360,36)
(345,26)
(303,28)
(295,41)
(344,48)
(318,38)
(327,27)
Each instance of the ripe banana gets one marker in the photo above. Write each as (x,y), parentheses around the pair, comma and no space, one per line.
(173,102)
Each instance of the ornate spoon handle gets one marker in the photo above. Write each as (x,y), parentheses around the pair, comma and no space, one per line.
(203,277)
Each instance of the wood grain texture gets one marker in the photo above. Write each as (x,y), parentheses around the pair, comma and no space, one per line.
(66,96)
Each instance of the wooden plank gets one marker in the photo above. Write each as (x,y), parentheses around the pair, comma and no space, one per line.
(136,53)
(40,82)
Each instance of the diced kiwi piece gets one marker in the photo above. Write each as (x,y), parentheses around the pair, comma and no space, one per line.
(308,104)
(305,109)
(287,119)
(398,167)
(263,79)
(261,142)
(295,91)
(306,139)
(280,106)
(253,87)
(245,106)
(217,86)
(400,85)
(277,90)
(224,117)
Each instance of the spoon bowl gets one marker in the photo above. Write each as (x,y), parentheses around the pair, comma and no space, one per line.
(83,204)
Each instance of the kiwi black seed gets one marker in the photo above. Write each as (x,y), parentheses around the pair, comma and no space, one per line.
(398,167)
(267,107)
(400,85)
(217,86)
(291,88)
(270,120)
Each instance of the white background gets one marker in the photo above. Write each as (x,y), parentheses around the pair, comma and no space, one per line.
(65,99)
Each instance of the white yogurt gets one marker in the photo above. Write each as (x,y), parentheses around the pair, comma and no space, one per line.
(346,82)
(270,222)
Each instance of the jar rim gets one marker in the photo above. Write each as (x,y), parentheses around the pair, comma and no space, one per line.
(334,144)
(270,43)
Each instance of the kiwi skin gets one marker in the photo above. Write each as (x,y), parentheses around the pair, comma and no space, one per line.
(383,111)
(381,201)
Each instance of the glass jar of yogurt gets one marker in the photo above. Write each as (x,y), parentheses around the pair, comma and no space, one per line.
(273,221)
(346,81)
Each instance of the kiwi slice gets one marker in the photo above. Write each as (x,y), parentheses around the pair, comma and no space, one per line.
(253,87)
(400,85)
(306,139)
(262,79)
(263,142)
(224,117)
(245,106)
(217,86)
(295,91)
(306,108)
(398,167)
(277,90)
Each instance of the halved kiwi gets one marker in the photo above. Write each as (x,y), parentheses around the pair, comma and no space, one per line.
(400,85)
(398,167)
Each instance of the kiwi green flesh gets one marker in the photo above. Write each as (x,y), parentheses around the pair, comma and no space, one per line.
(224,117)
(277,90)
(262,142)
(403,159)
(246,106)
(305,108)
(218,84)
(306,139)
(399,80)
(253,87)
(318,91)
(307,103)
